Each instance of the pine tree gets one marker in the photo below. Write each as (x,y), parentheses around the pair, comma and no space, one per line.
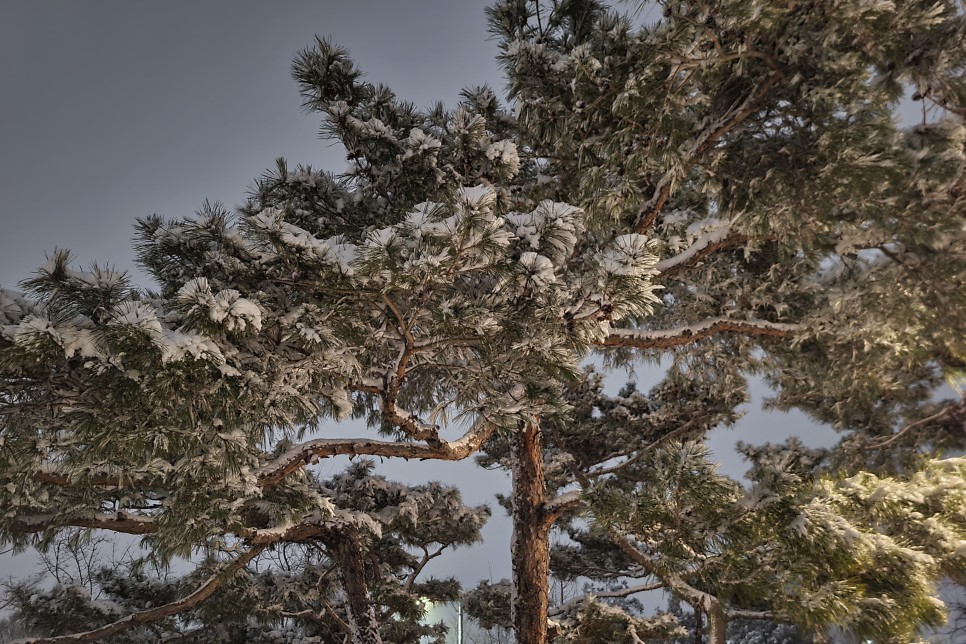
(408,292)
(724,187)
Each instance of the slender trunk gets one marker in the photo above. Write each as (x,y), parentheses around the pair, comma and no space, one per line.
(530,550)
(346,548)
(698,626)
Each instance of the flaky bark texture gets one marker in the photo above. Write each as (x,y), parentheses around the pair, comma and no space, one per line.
(717,624)
(346,548)
(531,537)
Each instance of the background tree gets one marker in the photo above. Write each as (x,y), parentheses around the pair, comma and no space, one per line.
(297,591)
(799,545)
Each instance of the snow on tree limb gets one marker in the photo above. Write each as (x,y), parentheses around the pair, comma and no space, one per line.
(123,522)
(702,247)
(666,339)
(574,603)
(301,455)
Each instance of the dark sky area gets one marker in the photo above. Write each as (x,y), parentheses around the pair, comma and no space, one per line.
(117,109)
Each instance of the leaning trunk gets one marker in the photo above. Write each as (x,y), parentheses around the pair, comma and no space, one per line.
(346,548)
(530,550)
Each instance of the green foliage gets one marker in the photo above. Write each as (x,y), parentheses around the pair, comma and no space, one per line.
(598,622)
(863,554)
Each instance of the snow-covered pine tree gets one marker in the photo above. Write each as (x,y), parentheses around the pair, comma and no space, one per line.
(442,278)
(417,290)
(759,142)
(863,555)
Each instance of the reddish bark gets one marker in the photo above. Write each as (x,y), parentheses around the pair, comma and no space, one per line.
(530,550)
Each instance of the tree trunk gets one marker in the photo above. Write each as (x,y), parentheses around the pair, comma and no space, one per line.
(698,626)
(717,624)
(346,548)
(530,549)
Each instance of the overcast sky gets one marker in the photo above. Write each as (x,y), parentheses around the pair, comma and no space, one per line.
(117,109)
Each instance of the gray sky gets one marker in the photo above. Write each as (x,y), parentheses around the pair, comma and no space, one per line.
(117,109)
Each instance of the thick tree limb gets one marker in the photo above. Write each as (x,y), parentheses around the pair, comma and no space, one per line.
(206,590)
(668,338)
(697,251)
(118,522)
(272,473)
(301,455)
(295,534)
(409,422)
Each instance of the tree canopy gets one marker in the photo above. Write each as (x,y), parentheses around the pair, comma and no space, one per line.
(724,190)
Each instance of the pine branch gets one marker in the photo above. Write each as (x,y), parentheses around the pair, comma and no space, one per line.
(696,252)
(668,338)
(203,592)
(888,440)
(303,454)
(638,454)
(669,579)
(408,422)
(703,143)
(119,522)
(623,592)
